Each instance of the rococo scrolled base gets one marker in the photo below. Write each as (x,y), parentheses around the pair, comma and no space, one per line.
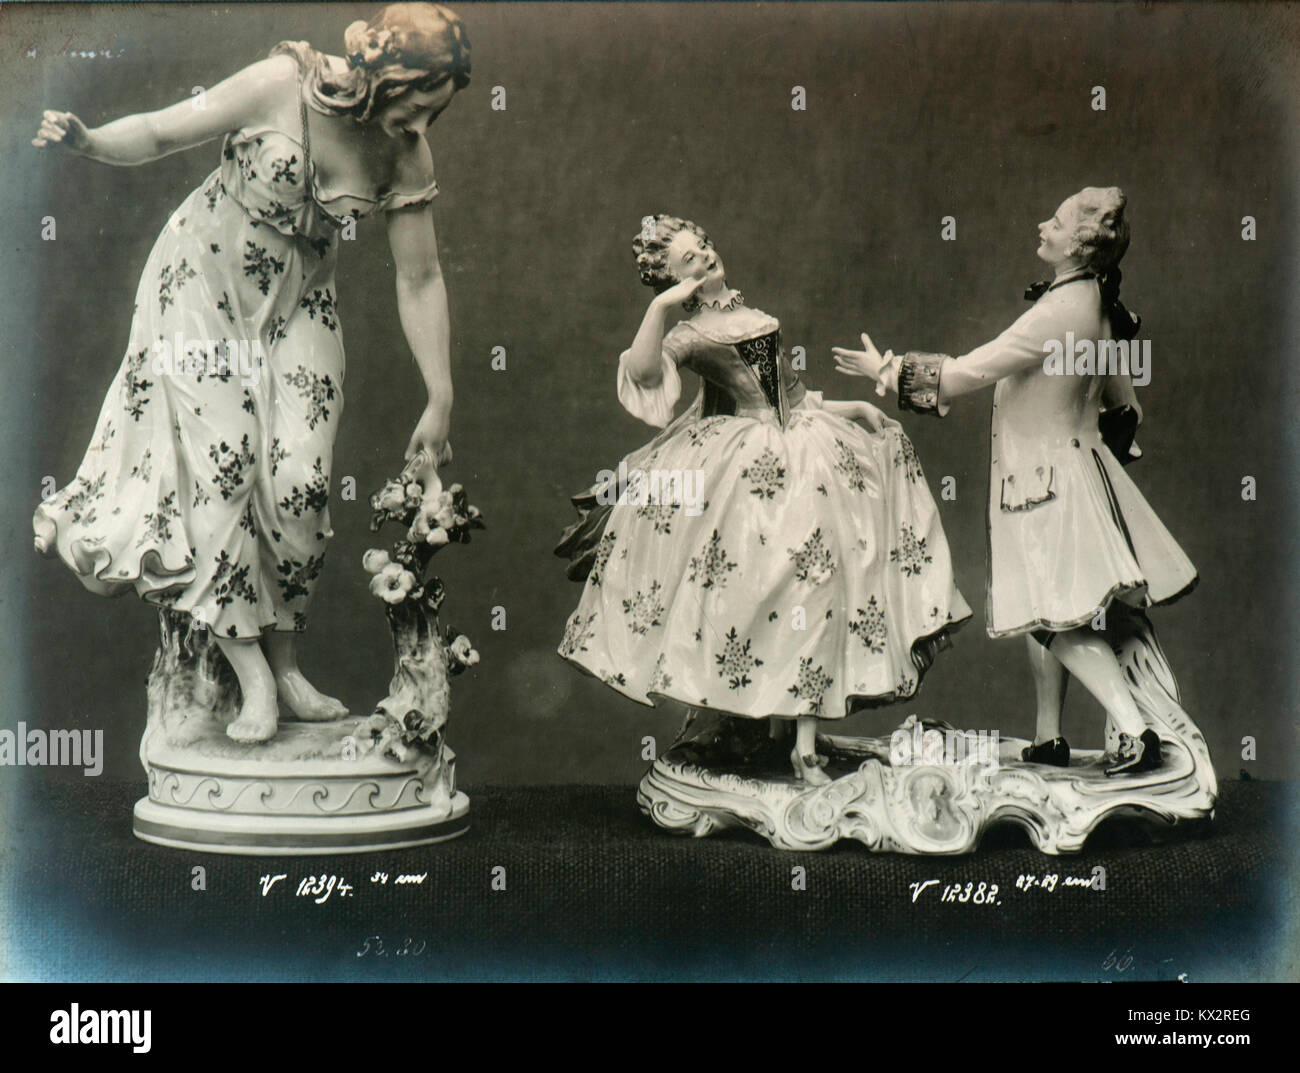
(926,808)
(891,794)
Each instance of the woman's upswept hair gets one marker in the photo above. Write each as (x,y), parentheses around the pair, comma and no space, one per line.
(1101,235)
(650,247)
(405,47)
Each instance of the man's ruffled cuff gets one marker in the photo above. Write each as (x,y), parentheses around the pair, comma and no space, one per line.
(918,382)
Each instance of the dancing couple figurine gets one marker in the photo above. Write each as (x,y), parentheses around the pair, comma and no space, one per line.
(817,581)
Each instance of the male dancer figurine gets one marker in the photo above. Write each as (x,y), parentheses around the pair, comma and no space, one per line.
(1069,533)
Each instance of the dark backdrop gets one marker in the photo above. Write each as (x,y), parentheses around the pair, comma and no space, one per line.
(828,217)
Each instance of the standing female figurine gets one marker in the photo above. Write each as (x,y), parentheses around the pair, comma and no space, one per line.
(205,487)
(1069,533)
(809,579)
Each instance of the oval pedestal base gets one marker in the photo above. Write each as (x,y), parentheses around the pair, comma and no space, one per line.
(185,828)
(308,790)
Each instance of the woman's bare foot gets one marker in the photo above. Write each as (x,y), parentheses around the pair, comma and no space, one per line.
(301,697)
(306,701)
(258,714)
(258,718)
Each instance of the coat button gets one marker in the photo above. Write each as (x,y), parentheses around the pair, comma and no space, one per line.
(1074,443)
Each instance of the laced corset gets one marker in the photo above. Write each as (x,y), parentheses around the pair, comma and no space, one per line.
(763,354)
(748,374)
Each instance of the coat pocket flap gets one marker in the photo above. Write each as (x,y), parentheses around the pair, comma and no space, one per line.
(1028,488)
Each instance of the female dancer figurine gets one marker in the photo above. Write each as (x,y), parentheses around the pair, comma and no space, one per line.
(205,487)
(808,579)
(1069,533)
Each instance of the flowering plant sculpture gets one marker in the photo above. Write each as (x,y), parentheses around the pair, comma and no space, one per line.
(412,716)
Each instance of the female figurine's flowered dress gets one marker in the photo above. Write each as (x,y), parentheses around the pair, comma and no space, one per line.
(206,489)
(814,579)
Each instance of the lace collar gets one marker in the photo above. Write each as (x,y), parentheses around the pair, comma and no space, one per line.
(695,304)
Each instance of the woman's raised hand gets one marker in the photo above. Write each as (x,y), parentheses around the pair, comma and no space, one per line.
(680,292)
(868,362)
(64,130)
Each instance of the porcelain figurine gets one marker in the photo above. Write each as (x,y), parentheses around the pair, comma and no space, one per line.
(366,782)
(205,488)
(1076,555)
(771,558)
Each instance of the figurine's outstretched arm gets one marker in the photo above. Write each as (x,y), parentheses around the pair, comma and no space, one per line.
(929,382)
(1020,347)
(426,323)
(137,139)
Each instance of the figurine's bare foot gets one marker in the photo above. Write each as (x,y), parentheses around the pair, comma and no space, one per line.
(306,701)
(809,769)
(258,717)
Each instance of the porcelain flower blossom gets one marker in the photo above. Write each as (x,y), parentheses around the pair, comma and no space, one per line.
(392,583)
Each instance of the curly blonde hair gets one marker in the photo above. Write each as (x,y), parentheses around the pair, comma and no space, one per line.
(650,247)
(404,47)
(1101,234)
